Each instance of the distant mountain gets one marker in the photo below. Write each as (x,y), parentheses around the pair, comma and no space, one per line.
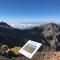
(47,34)
(4,24)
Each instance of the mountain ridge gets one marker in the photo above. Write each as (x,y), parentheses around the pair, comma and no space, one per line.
(45,34)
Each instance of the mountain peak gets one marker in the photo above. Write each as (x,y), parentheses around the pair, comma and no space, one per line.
(4,24)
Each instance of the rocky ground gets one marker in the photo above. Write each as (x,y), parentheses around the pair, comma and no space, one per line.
(37,56)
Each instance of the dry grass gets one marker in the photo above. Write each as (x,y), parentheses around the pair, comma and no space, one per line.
(16,50)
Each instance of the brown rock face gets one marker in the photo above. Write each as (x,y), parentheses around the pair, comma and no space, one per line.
(52,33)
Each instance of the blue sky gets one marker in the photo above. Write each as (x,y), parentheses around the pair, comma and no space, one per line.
(29,11)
